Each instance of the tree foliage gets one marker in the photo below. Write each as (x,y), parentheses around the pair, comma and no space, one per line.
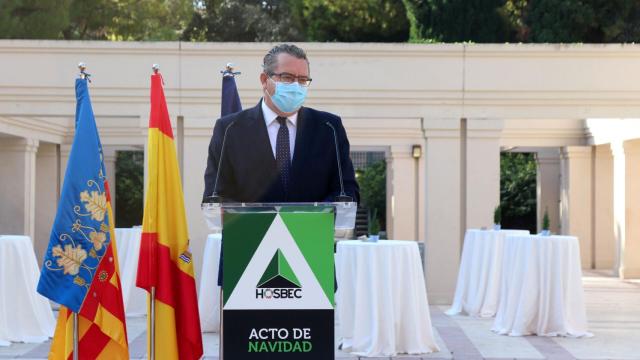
(244,20)
(94,19)
(457,20)
(481,21)
(33,19)
(373,185)
(299,20)
(355,20)
(539,21)
(588,21)
(518,191)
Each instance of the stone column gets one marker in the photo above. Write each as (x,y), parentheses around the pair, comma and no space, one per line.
(483,171)
(46,196)
(604,236)
(626,208)
(576,198)
(389,194)
(548,187)
(402,175)
(18,179)
(442,199)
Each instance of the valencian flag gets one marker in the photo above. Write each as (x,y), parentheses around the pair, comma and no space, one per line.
(230,98)
(165,261)
(80,269)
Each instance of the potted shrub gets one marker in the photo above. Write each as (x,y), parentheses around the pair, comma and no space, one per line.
(497,218)
(545,223)
(374,226)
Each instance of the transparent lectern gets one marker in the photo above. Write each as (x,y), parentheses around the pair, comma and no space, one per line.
(278,277)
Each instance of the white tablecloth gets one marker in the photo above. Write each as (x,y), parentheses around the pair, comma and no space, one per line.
(25,315)
(382,300)
(209,293)
(128,245)
(478,287)
(543,295)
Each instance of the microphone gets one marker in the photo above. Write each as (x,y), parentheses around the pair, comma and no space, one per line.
(343,196)
(214,197)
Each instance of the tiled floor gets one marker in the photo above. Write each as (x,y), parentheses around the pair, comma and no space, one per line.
(613,310)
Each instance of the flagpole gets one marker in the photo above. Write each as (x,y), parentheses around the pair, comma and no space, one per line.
(152,325)
(221,337)
(227,72)
(152,350)
(75,336)
(83,75)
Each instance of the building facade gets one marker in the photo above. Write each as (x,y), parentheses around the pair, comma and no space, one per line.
(575,106)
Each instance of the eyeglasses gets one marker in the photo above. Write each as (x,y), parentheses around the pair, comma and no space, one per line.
(287,78)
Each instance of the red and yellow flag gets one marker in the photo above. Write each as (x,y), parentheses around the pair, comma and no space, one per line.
(165,261)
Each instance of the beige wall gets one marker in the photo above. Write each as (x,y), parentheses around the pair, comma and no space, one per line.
(390,96)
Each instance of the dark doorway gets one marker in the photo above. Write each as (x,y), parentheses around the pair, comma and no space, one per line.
(129,188)
(518,191)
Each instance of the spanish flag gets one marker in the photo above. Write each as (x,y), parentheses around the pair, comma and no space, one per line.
(165,261)
(80,269)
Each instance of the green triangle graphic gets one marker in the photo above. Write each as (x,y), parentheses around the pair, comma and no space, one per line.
(278,266)
(313,233)
(271,271)
(285,269)
(242,234)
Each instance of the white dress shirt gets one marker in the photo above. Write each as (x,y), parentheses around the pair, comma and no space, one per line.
(273,126)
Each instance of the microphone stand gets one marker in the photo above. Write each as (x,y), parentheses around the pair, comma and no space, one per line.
(343,197)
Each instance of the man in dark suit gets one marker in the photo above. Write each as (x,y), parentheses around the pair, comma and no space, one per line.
(279,151)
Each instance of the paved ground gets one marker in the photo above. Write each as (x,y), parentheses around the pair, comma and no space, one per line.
(613,310)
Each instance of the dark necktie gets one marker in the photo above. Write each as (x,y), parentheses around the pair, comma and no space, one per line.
(283,153)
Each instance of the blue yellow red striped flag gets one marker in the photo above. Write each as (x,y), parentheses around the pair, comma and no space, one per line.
(80,269)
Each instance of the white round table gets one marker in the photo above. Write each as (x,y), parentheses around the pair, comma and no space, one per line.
(25,315)
(478,286)
(209,292)
(382,299)
(128,246)
(543,293)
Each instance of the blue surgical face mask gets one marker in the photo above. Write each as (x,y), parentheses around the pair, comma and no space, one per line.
(288,97)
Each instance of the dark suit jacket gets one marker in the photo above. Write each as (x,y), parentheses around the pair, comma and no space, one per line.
(248,168)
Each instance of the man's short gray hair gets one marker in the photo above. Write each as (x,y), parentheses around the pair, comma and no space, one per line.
(270,60)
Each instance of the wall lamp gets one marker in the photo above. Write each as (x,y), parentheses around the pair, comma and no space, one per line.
(416,151)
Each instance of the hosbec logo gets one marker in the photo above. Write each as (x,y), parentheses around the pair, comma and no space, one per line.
(278,280)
